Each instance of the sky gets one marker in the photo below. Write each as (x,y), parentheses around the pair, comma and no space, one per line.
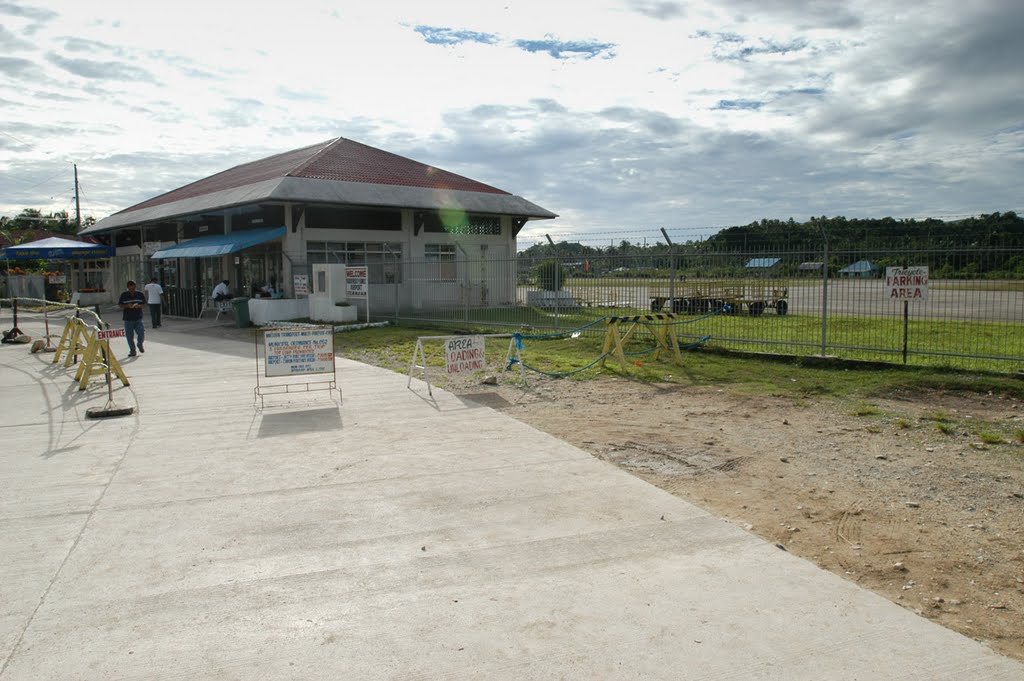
(624,117)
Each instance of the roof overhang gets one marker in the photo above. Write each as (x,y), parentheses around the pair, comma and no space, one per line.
(220,244)
(304,190)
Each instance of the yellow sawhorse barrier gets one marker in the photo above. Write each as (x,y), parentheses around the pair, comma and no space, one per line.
(98,359)
(663,333)
(79,338)
(74,340)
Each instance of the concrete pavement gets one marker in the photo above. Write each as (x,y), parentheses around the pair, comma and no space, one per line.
(386,536)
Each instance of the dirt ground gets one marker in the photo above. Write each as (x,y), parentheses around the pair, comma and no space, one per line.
(877,494)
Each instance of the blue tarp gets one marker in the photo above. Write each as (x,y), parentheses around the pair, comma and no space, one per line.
(56,248)
(220,244)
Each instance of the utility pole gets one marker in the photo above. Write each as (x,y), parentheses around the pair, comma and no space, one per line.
(78,207)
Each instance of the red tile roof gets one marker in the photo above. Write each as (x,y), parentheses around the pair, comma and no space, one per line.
(340,160)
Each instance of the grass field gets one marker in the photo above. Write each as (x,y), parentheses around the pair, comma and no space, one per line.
(393,347)
(976,345)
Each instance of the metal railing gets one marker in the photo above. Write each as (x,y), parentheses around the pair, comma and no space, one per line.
(801,303)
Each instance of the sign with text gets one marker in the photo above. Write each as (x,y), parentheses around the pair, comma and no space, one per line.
(301,284)
(465,353)
(294,352)
(357,282)
(906,283)
(106,334)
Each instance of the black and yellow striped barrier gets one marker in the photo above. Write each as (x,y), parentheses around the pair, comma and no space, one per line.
(653,322)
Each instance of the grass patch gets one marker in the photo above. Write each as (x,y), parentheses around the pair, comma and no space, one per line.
(990,438)
(945,428)
(903,424)
(934,343)
(866,410)
(392,347)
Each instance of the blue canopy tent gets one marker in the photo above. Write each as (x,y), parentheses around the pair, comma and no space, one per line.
(56,248)
(52,248)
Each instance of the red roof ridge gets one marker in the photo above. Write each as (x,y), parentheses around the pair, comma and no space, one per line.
(335,160)
(343,159)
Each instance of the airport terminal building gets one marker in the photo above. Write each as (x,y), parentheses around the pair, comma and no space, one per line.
(426,235)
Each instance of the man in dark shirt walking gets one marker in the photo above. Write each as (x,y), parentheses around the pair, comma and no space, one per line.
(132,302)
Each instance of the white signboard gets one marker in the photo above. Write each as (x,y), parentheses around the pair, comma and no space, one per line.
(294,352)
(465,353)
(301,284)
(109,333)
(906,283)
(357,282)
(57,279)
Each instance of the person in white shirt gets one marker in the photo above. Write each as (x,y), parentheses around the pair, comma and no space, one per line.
(221,291)
(154,291)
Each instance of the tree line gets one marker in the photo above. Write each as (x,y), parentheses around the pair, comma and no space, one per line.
(30,220)
(983,246)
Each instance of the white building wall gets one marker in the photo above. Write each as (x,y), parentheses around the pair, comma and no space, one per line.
(485,273)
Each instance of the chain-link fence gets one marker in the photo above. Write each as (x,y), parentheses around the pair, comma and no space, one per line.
(802,302)
(809,301)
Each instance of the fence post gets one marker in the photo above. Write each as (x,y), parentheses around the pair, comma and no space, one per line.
(395,277)
(672,272)
(557,284)
(824,297)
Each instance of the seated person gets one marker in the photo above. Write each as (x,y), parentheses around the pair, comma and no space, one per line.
(221,292)
(267,291)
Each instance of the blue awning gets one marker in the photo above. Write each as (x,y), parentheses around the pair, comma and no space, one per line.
(220,244)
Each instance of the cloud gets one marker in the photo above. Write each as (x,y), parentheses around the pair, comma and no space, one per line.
(659,10)
(633,168)
(184,65)
(34,13)
(802,15)
(956,80)
(436,35)
(20,68)
(737,104)
(75,44)
(100,70)
(240,112)
(301,95)
(10,41)
(728,48)
(654,122)
(567,49)
(711,113)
